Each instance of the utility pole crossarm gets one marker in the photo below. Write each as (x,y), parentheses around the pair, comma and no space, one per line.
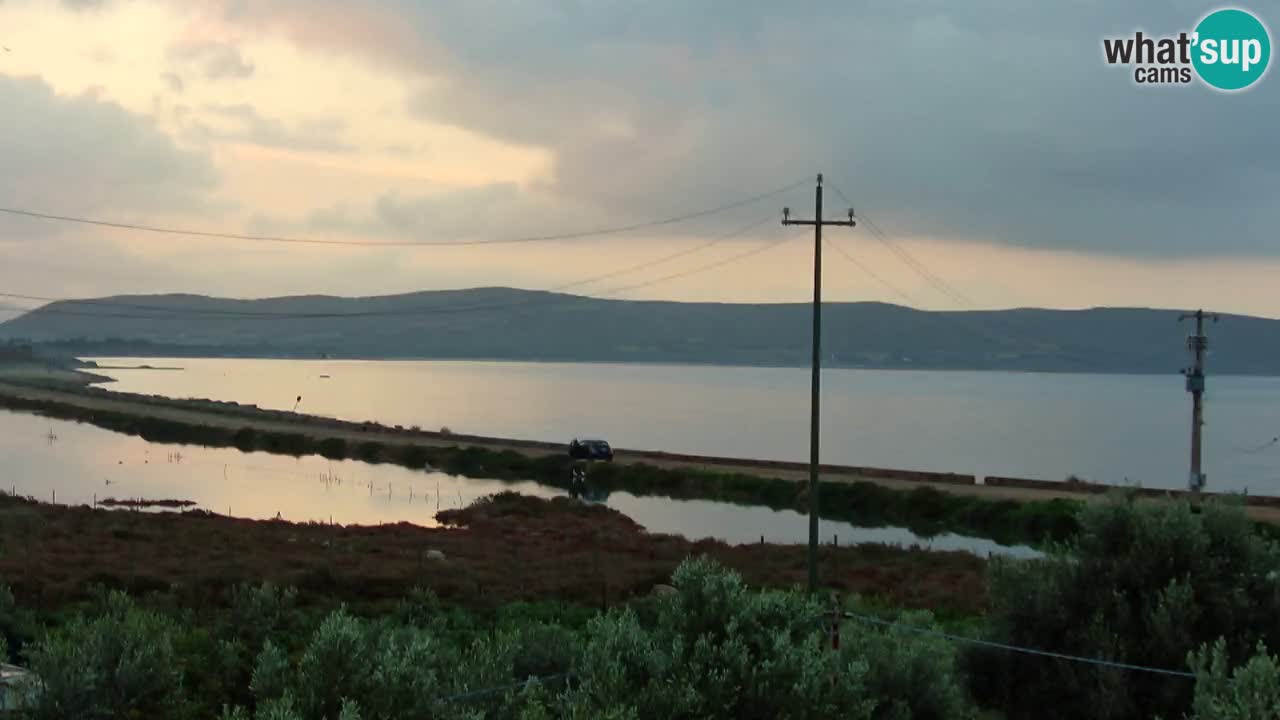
(814,416)
(843,223)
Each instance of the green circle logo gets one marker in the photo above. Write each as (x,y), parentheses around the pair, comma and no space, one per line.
(1232,49)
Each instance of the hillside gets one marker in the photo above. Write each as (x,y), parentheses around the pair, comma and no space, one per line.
(501,323)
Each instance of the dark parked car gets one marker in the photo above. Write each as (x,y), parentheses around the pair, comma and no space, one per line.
(590,450)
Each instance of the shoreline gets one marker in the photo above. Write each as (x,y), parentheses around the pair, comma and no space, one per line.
(990,486)
(838,365)
(87,395)
(1008,510)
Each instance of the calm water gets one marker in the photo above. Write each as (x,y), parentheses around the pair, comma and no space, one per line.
(74,464)
(1107,428)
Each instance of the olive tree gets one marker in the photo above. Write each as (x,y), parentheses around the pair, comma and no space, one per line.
(1248,692)
(1145,583)
(117,663)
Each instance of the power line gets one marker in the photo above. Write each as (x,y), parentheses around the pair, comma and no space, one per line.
(871,273)
(613,230)
(422,310)
(1016,648)
(703,268)
(991,330)
(903,254)
(1255,450)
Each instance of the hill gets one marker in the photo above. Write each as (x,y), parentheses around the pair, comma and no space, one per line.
(503,323)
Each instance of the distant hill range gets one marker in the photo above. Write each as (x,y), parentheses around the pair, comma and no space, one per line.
(507,324)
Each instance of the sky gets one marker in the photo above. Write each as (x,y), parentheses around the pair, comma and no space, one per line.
(988,141)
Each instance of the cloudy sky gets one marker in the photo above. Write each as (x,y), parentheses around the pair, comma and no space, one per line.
(987,139)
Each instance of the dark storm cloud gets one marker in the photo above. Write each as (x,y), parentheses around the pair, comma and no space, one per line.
(987,120)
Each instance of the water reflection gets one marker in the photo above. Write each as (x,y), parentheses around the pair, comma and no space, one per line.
(1118,429)
(72,463)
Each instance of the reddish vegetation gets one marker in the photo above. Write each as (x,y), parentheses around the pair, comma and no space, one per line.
(510,548)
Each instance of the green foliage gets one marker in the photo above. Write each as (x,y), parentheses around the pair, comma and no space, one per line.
(119,664)
(16,624)
(909,675)
(352,667)
(270,673)
(717,650)
(213,668)
(1144,583)
(256,613)
(1248,692)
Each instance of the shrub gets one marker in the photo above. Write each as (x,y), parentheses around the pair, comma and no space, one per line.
(287,443)
(1249,692)
(909,675)
(245,439)
(717,650)
(1145,582)
(255,613)
(370,451)
(416,457)
(334,448)
(118,664)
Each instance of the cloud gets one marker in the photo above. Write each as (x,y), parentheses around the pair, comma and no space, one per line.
(982,121)
(174,82)
(220,62)
(226,62)
(79,154)
(318,134)
(498,210)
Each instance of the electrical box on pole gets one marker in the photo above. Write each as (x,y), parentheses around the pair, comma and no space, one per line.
(1198,344)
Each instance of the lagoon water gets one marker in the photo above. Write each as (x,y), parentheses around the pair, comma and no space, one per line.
(70,463)
(1119,429)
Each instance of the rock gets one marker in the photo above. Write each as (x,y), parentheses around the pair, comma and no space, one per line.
(435,555)
(663,590)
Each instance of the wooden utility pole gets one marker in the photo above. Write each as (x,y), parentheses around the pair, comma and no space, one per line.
(1197,344)
(814,421)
